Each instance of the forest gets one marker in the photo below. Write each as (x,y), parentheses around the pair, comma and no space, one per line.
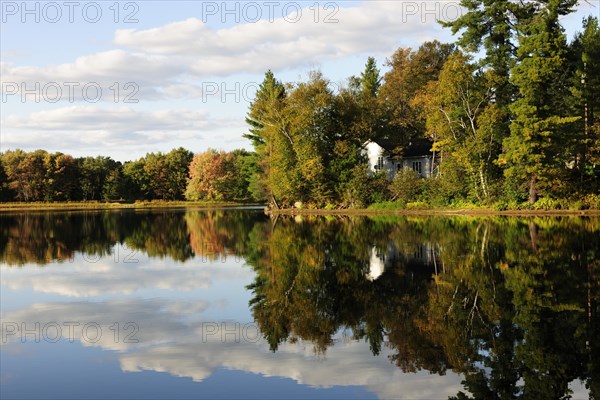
(510,110)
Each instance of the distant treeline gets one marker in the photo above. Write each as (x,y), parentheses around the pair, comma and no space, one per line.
(176,175)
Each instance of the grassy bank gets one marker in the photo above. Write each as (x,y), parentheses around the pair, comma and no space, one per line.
(422,209)
(440,211)
(96,205)
(417,208)
(589,205)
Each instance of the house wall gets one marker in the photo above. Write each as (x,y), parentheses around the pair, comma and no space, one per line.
(374,151)
(425,161)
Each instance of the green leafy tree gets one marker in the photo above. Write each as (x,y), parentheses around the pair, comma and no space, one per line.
(93,172)
(27,174)
(370,79)
(136,180)
(406,186)
(178,165)
(6,194)
(464,121)
(492,24)
(157,168)
(62,177)
(311,110)
(247,169)
(112,189)
(367,118)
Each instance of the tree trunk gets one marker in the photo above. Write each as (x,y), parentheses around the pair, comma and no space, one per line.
(532,189)
(483,182)
(274,201)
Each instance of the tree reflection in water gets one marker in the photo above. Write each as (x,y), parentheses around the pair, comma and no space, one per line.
(511,303)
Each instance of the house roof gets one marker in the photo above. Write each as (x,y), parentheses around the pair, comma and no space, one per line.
(415,148)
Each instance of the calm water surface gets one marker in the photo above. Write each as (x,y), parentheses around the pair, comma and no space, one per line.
(232,304)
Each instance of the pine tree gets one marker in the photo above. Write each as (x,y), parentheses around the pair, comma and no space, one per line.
(491,24)
(370,79)
(270,135)
(585,56)
(534,151)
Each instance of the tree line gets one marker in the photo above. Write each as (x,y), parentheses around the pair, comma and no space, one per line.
(177,175)
(515,125)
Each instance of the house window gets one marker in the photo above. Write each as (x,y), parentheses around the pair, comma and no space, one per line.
(379,164)
(416,166)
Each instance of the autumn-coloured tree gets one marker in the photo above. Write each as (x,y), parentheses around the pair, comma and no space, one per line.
(212,176)
(409,74)
(464,121)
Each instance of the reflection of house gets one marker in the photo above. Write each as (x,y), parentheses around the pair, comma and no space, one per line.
(380,260)
(416,156)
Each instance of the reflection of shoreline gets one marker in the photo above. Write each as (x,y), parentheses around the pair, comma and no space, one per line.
(86,206)
(128,274)
(43,238)
(452,294)
(171,341)
(179,234)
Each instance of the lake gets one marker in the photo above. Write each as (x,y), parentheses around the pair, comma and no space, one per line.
(230,303)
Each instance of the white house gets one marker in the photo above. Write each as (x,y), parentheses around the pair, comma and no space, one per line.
(416,156)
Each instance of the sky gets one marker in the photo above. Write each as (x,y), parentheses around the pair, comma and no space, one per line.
(123,78)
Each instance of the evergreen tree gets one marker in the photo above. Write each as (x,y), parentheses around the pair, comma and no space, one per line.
(492,24)
(585,56)
(534,151)
(369,79)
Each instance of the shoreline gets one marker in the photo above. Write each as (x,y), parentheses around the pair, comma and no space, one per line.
(144,205)
(141,205)
(436,212)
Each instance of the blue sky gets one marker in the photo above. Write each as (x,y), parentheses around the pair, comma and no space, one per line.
(122,78)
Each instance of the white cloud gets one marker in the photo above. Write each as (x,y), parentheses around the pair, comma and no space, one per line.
(105,276)
(168,61)
(187,345)
(370,27)
(89,125)
(117,73)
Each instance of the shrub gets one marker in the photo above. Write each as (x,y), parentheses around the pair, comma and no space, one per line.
(364,189)
(546,203)
(388,205)
(417,205)
(406,186)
